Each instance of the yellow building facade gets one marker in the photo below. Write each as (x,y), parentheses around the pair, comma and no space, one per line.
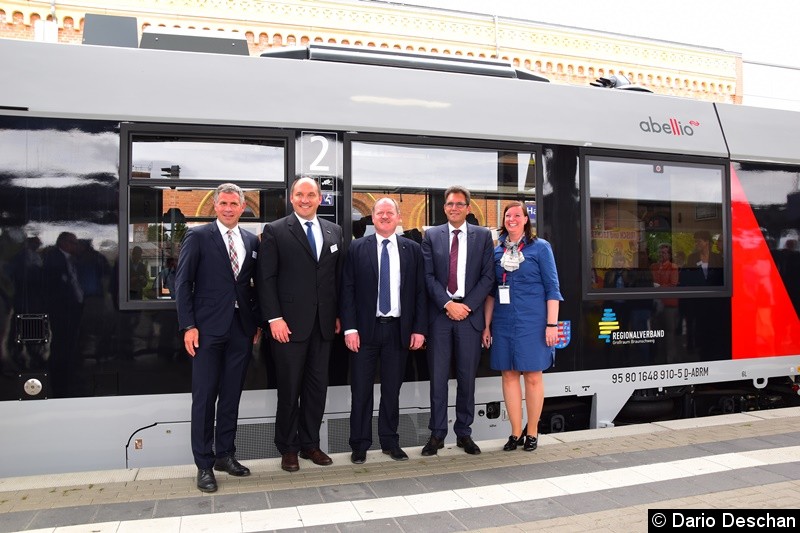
(563,55)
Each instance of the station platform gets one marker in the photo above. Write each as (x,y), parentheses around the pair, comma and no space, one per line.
(593,480)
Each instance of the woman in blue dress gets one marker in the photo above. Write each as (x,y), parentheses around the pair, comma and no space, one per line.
(521,320)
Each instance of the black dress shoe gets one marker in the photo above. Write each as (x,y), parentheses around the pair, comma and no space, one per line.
(396,453)
(206,480)
(530,443)
(513,442)
(358,457)
(434,444)
(232,466)
(289,462)
(317,456)
(469,445)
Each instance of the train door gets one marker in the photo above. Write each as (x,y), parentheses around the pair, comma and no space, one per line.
(415,172)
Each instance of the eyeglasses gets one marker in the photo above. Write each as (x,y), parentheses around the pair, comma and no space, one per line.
(460,205)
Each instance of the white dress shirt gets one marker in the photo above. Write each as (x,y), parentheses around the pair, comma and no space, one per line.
(238,243)
(461,274)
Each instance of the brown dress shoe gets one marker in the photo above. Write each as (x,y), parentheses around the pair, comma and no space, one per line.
(317,456)
(289,462)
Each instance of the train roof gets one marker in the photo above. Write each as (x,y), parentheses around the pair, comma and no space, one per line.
(128,84)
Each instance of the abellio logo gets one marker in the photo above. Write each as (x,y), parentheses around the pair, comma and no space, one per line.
(672,126)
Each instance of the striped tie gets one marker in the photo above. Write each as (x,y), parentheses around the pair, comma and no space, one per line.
(232,254)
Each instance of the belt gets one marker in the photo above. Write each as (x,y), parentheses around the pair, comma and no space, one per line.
(457,300)
(386,319)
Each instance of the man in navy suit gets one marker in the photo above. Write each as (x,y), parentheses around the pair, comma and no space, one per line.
(383,308)
(459,273)
(218,313)
(301,261)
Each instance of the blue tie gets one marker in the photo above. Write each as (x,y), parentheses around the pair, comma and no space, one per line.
(311,240)
(384,289)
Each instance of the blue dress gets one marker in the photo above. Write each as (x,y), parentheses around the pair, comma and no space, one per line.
(518,336)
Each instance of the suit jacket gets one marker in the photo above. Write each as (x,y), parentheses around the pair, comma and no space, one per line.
(359,297)
(205,286)
(291,282)
(479,279)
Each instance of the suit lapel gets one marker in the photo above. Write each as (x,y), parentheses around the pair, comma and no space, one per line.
(327,239)
(405,259)
(371,244)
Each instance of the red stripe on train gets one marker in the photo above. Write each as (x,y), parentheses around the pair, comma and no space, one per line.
(764,322)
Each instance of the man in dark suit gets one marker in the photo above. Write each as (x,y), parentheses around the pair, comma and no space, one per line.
(298,289)
(383,308)
(218,313)
(459,273)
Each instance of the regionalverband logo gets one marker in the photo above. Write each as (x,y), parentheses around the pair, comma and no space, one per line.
(610,331)
(608,323)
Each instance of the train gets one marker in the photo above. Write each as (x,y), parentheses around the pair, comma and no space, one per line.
(674,224)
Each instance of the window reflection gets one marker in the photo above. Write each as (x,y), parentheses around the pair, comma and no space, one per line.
(649,229)
(172,179)
(416,177)
(159,218)
(205,160)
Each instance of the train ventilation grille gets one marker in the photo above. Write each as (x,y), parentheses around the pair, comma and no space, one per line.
(32,329)
(256,441)
(413,430)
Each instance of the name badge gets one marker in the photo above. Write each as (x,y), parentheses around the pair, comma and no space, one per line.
(504,294)
(334,248)
(255,254)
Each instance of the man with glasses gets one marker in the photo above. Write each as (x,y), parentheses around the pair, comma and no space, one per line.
(459,273)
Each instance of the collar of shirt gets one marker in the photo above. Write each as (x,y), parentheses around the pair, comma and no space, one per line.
(463,229)
(314,221)
(224,231)
(392,239)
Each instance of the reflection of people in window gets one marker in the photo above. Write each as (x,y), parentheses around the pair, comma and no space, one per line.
(166,279)
(138,274)
(665,275)
(703,266)
(615,278)
(64,304)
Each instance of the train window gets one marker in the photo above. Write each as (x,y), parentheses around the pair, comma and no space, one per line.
(168,188)
(208,159)
(417,175)
(656,226)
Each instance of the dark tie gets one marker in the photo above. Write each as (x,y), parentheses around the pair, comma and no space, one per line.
(384,289)
(452,277)
(232,254)
(311,240)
